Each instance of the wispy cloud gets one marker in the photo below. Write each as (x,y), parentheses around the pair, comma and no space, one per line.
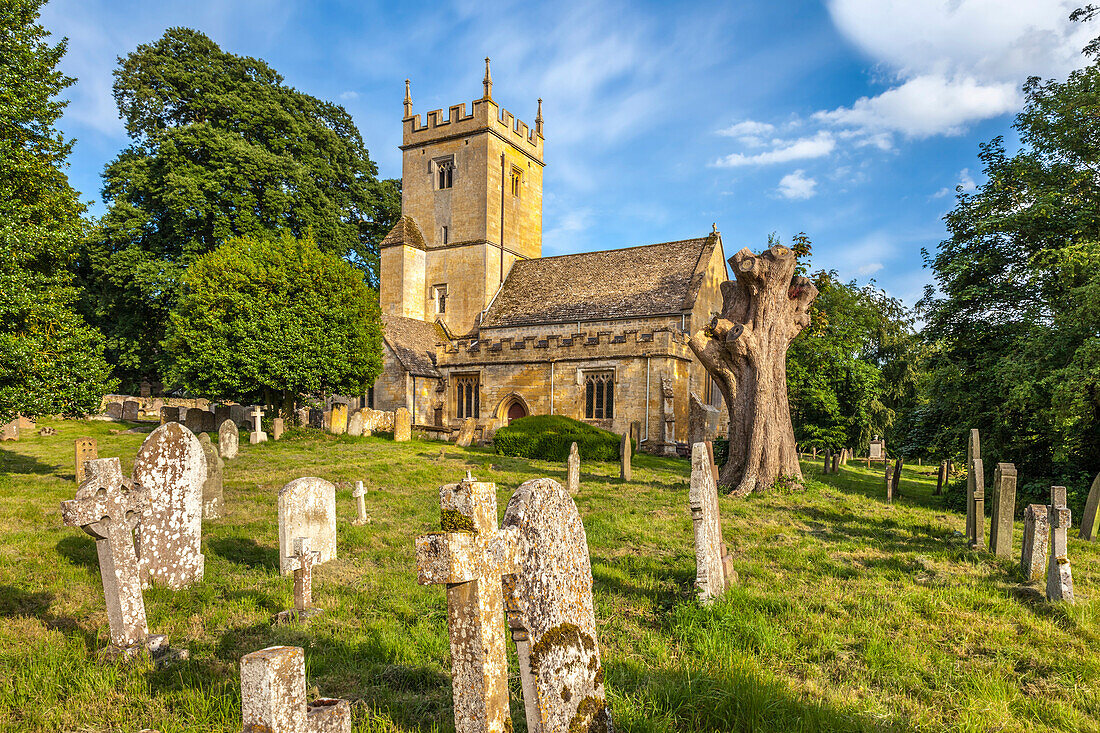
(783,151)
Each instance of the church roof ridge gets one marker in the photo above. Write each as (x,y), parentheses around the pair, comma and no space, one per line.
(623,249)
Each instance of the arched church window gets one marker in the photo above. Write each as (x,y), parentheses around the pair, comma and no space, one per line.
(599,395)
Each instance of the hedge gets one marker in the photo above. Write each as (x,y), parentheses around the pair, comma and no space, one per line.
(549,436)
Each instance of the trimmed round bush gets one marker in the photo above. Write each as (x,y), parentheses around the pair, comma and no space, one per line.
(549,436)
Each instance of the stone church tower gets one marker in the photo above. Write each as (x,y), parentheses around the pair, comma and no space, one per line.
(471,205)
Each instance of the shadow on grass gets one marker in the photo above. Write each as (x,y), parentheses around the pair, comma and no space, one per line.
(17,602)
(79,549)
(885,534)
(12,462)
(245,551)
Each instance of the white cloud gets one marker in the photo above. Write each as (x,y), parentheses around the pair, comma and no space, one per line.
(747,128)
(869,269)
(797,186)
(783,151)
(349,95)
(966,181)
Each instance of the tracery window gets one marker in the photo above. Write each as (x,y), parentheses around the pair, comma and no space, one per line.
(467,396)
(445,173)
(599,395)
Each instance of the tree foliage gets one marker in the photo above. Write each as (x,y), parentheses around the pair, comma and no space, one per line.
(268,319)
(222,148)
(50,360)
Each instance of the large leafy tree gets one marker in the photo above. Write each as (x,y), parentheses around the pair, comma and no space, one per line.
(271,318)
(222,148)
(50,360)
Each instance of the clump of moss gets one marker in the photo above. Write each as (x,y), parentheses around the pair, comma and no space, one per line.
(592,717)
(455,521)
(564,634)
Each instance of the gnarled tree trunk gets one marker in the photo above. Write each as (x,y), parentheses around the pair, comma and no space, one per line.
(745,350)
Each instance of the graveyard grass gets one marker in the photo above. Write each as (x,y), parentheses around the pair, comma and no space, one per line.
(850,614)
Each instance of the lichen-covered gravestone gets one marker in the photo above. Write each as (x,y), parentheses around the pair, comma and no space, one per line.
(213,488)
(130,410)
(573,471)
(402,424)
(229,439)
(338,420)
(169,414)
(85,450)
(1059,577)
(193,420)
(977,504)
(1004,507)
(114,410)
(277,428)
(172,466)
(273,696)
(355,424)
(626,472)
(973,451)
(466,433)
(1033,554)
(307,508)
(713,565)
(876,449)
(1090,515)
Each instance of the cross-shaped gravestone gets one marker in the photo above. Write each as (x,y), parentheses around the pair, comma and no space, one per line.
(273,696)
(360,494)
(471,556)
(302,562)
(258,435)
(108,507)
(1059,578)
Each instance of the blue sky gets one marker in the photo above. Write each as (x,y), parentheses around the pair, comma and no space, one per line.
(851,120)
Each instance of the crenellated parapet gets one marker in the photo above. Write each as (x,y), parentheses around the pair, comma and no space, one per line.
(562,347)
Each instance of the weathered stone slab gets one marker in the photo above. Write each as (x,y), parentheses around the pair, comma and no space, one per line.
(711,559)
(1091,515)
(316,418)
(241,415)
(169,414)
(172,466)
(10,431)
(360,493)
(897,476)
(85,450)
(626,471)
(338,420)
(402,425)
(466,433)
(941,478)
(130,410)
(827,467)
(1033,555)
(277,428)
(877,449)
(228,440)
(193,420)
(355,423)
(213,488)
(973,450)
(257,435)
(550,614)
(114,410)
(889,485)
(307,508)
(1004,508)
(977,504)
(273,696)
(221,414)
(702,421)
(208,421)
(573,471)
(1059,577)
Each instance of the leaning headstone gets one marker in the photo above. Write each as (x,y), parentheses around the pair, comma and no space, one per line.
(273,696)
(1090,515)
(301,563)
(973,450)
(114,410)
(258,435)
(169,414)
(889,485)
(713,565)
(85,450)
(402,425)
(466,433)
(1033,555)
(355,423)
(193,421)
(573,471)
(130,410)
(1004,507)
(338,421)
(307,508)
(626,472)
(1059,577)
(228,440)
(897,476)
(213,487)
(276,428)
(360,494)
(550,613)
(108,507)
(977,505)
(172,466)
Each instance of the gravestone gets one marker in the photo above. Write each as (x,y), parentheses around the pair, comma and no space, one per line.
(402,425)
(193,420)
(85,450)
(114,410)
(889,485)
(326,420)
(172,466)
(258,435)
(668,418)
(108,507)
(702,421)
(228,440)
(897,477)
(941,478)
(338,421)
(307,508)
(355,423)
(145,389)
(169,414)
(713,565)
(836,462)
(130,410)
(1090,515)
(466,432)
(222,413)
(973,450)
(1004,509)
(10,431)
(301,563)
(877,450)
(550,613)
(626,473)
(277,428)
(1033,555)
(240,415)
(470,557)
(360,494)
(828,461)
(573,471)
(213,487)
(316,418)
(1059,577)
(209,424)
(977,505)
(273,696)
(636,431)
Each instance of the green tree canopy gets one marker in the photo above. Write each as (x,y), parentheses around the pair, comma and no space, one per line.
(222,148)
(50,360)
(271,318)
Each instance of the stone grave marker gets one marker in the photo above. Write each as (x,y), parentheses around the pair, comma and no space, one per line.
(114,410)
(828,460)
(941,478)
(169,414)
(876,451)
(273,696)
(466,433)
(713,565)
(301,563)
(307,508)
(889,485)
(360,494)
(1059,577)
(1090,515)
(402,425)
(85,450)
(277,428)
(240,415)
(10,431)
(550,613)
(973,450)
(836,462)
(171,465)
(1033,555)
(193,420)
(213,488)
(702,421)
(977,505)
(221,414)
(130,410)
(897,477)
(573,471)
(636,431)
(626,470)
(338,420)
(145,389)
(228,440)
(258,435)
(316,418)
(209,424)
(1004,508)
(355,423)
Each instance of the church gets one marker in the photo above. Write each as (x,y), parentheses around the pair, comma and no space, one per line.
(478,324)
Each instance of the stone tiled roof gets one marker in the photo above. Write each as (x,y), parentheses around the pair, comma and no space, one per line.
(651,280)
(413,342)
(404,231)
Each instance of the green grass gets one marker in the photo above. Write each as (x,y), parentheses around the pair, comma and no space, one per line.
(851,614)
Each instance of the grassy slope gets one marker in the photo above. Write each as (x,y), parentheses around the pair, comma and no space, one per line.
(850,614)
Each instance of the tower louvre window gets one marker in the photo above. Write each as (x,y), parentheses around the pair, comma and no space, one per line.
(517,179)
(443,235)
(599,396)
(444,172)
(440,297)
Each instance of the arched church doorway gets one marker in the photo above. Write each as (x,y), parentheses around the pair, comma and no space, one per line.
(516,410)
